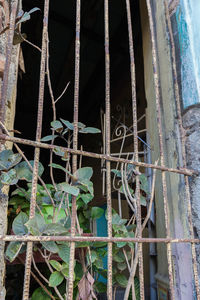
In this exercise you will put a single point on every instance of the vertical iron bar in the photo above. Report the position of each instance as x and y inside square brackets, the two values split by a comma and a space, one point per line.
[135, 140]
[8, 61]
[178, 106]
[75, 144]
[159, 119]
[37, 150]
[108, 176]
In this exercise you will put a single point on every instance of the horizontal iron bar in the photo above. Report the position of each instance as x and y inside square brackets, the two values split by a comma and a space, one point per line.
[183, 171]
[30, 238]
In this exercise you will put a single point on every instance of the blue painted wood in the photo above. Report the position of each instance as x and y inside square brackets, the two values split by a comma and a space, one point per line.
[102, 231]
[188, 23]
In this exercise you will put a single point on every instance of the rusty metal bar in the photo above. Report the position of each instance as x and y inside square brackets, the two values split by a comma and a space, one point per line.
[37, 150]
[183, 171]
[107, 130]
[30, 238]
[178, 105]
[159, 119]
[75, 145]
[8, 61]
[136, 156]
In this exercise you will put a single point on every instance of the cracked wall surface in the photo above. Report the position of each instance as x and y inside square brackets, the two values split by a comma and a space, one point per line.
[191, 123]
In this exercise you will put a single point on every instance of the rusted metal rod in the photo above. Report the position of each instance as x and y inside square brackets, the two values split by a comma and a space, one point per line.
[27, 274]
[75, 146]
[108, 138]
[30, 238]
[136, 156]
[182, 171]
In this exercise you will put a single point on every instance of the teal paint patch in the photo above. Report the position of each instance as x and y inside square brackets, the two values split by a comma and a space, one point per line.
[189, 65]
[102, 231]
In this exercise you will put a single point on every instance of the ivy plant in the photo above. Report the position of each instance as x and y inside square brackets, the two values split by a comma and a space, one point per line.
[53, 217]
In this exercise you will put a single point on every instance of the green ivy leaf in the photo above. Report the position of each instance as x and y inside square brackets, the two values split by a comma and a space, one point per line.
[40, 294]
[33, 10]
[18, 225]
[9, 178]
[90, 130]
[120, 244]
[99, 244]
[69, 125]
[119, 257]
[122, 266]
[57, 126]
[8, 159]
[100, 287]
[144, 183]
[13, 250]
[24, 172]
[81, 125]
[58, 151]
[54, 229]
[67, 188]
[48, 138]
[83, 174]
[20, 192]
[86, 198]
[137, 288]
[64, 252]
[26, 16]
[65, 272]
[97, 212]
[51, 246]
[56, 166]
[78, 271]
[55, 279]
[87, 186]
[92, 256]
[131, 244]
[143, 200]
[121, 280]
[56, 265]
[36, 225]
[98, 263]
[116, 220]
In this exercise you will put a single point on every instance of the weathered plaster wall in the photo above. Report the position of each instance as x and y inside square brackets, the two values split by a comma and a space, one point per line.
[188, 29]
[191, 121]
[188, 25]
[10, 114]
[175, 183]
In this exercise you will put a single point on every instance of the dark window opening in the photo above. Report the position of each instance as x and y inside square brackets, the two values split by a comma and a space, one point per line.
[92, 83]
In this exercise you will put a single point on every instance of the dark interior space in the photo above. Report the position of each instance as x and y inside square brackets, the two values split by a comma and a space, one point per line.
[92, 78]
[92, 66]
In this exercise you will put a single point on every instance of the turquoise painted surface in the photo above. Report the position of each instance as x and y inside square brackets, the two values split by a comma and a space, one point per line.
[102, 231]
[188, 22]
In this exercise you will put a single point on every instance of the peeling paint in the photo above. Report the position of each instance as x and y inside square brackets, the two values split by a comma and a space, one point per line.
[188, 24]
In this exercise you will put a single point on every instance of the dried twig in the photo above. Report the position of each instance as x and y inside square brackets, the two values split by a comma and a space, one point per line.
[151, 199]
[133, 267]
[62, 92]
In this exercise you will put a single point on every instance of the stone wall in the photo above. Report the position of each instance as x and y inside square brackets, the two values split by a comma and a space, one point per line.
[191, 123]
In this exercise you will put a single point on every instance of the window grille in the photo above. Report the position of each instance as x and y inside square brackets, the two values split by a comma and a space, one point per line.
[107, 157]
